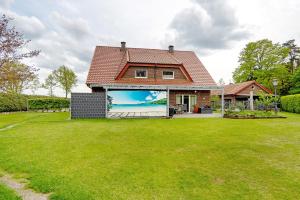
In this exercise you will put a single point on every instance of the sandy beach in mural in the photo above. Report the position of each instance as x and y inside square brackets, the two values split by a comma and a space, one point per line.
[137, 103]
[138, 108]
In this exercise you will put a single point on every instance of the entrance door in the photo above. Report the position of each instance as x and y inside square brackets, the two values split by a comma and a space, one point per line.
[186, 103]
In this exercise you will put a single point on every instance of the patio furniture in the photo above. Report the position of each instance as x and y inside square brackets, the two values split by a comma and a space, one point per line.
[184, 108]
[171, 112]
[206, 110]
[179, 109]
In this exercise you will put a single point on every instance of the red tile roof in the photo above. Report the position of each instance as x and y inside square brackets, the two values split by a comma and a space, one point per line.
[108, 62]
[233, 89]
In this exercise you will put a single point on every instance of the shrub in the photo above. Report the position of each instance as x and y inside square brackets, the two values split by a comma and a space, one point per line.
[12, 102]
[291, 103]
[48, 103]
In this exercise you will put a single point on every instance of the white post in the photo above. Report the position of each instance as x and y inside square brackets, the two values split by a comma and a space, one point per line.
[223, 102]
[168, 102]
[106, 103]
[251, 100]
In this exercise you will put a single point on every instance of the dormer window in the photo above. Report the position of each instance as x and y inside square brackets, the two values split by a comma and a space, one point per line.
[141, 73]
[168, 75]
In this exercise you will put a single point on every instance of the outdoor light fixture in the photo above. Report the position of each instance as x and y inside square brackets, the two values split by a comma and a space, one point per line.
[275, 83]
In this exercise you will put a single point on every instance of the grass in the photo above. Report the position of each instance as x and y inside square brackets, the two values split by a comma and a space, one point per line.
[7, 194]
[153, 158]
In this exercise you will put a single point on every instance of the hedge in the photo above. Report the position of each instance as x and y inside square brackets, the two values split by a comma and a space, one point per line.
[291, 103]
[12, 102]
[48, 103]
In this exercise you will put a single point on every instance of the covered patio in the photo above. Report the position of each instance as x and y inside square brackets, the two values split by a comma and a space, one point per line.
[180, 101]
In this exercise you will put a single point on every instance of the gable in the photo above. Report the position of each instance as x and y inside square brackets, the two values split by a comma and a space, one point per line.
[256, 90]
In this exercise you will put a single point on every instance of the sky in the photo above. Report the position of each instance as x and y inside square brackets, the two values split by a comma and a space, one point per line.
[67, 31]
[136, 97]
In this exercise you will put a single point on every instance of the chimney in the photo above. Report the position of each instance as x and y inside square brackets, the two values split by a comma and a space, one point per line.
[123, 46]
[171, 49]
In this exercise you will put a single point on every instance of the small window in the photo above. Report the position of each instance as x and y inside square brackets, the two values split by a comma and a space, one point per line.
[140, 73]
[168, 75]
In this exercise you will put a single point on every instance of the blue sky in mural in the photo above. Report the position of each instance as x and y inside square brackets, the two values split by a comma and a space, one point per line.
[136, 96]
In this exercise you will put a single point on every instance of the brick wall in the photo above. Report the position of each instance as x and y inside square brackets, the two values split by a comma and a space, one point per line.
[154, 72]
[88, 105]
[203, 97]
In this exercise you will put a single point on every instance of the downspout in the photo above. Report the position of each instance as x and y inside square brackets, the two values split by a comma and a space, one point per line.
[168, 101]
[105, 102]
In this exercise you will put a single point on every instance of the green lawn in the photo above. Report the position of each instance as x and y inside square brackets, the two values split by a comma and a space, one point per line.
[153, 158]
[7, 194]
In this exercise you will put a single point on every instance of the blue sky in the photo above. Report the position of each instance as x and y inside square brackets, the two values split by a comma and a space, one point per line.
[135, 96]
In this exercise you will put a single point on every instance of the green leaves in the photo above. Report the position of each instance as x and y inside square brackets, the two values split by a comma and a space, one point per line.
[262, 61]
[291, 103]
[48, 103]
[66, 78]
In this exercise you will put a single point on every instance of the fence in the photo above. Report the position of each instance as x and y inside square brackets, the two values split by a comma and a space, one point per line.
[88, 105]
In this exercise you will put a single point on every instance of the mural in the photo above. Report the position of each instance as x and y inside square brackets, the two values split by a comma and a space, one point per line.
[137, 103]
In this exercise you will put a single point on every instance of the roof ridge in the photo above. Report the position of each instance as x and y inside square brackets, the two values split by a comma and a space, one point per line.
[145, 48]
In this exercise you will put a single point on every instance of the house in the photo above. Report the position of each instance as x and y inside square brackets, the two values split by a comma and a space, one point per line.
[145, 82]
[240, 92]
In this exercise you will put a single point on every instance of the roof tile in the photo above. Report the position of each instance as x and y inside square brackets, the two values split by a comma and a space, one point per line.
[108, 61]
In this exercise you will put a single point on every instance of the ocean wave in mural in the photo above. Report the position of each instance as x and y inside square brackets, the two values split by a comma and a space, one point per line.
[137, 103]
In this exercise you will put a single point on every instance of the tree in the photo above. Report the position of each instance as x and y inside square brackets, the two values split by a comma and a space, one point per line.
[262, 61]
[66, 78]
[50, 83]
[295, 89]
[294, 55]
[221, 82]
[15, 77]
[12, 43]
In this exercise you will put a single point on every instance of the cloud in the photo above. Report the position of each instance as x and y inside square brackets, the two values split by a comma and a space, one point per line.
[149, 98]
[207, 26]
[5, 3]
[75, 27]
[31, 27]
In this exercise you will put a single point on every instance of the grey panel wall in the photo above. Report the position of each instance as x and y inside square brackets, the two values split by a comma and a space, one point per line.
[88, 105]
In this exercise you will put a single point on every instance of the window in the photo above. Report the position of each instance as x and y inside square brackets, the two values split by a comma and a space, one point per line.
[141, 73]
[168, 75]
[178, 99]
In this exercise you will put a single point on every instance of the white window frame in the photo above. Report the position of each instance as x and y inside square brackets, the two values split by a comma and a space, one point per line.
[141, 70]
[167, 77]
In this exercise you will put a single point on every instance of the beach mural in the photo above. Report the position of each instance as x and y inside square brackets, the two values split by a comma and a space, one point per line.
[142, 102]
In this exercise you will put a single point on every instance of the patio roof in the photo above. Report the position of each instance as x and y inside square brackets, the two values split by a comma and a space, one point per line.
[157, 87]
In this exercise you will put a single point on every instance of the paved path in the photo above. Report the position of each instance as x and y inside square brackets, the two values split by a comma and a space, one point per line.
[20, 189]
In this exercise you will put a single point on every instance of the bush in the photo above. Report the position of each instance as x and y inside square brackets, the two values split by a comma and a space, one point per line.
[48, 103]
[291, 103]
[12, 102]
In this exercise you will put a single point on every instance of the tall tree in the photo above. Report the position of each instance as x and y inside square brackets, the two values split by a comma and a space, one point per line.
[262, 61]
[294, 55]
[295, 82]
[66, 78]
[12, 43]
[16, 77]
[50, 84]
